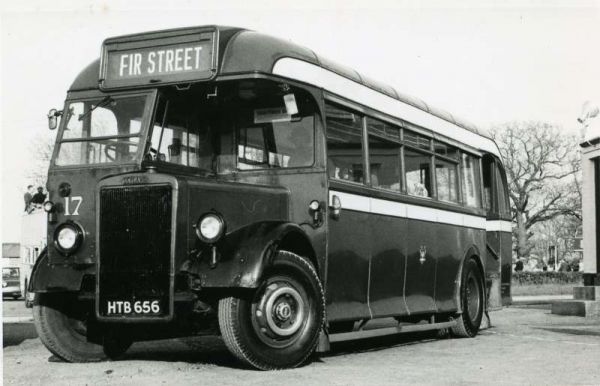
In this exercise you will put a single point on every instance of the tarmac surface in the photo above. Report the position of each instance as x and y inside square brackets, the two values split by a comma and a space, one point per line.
[525, 345]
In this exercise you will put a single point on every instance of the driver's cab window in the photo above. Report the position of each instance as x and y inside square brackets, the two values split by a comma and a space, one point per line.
[175, 137]
[275, 129]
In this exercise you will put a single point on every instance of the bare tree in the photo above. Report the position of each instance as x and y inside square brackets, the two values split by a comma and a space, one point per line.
[41, 148]
[542, 166]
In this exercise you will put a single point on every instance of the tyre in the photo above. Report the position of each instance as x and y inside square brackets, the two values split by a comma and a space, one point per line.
[278, 326]
[472, 301]
[62, 325]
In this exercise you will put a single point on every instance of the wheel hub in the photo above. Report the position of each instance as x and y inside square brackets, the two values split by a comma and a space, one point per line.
[281, 311]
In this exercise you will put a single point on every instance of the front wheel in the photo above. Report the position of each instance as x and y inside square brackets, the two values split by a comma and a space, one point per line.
[472, 301]
[278, 326]
[62, 325]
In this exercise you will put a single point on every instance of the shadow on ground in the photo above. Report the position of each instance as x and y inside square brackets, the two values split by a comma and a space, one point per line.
[212, 350]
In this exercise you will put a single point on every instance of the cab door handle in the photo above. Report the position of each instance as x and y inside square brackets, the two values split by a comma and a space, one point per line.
[335, 206]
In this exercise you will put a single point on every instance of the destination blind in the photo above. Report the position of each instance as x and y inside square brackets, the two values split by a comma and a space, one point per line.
[160, 63]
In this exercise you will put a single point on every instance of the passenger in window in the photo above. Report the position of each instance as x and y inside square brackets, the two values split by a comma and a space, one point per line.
[375, 180]
[346, 173]
[419, 190]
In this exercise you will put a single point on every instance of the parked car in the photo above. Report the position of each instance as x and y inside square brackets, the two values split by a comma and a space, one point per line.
[11, 282]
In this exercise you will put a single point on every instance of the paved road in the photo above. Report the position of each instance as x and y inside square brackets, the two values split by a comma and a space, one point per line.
[524, 346]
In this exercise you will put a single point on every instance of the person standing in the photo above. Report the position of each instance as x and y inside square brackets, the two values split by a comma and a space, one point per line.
[39, 197]
[28, 196]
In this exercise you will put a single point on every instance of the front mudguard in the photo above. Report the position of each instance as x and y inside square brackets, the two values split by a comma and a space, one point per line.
[53, 278]
[243, 254]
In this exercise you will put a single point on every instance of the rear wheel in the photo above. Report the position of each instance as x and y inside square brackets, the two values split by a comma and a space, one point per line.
[62, 325]
[278, 326]
[472, 301]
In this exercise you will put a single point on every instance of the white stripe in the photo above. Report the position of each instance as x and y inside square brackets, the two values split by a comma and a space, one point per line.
[389, 208]
[337, 84]
[353, 201]
[397, 209]
[498, 226]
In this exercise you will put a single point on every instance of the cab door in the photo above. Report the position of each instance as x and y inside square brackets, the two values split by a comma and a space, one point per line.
[348, 234]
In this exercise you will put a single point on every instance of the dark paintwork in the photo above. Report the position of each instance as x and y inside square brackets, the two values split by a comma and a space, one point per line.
[399, 283]
[388, 237]
[243, 51]
[348, 267]
[83, 184]
[269, 208]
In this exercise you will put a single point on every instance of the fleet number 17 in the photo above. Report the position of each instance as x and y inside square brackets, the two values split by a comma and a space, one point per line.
[73, 203]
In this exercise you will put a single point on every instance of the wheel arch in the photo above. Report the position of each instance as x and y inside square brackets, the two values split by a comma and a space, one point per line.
[250, 250]
[53, 278]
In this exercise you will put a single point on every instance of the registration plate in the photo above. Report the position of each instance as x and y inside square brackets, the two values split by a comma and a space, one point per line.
[135, 308]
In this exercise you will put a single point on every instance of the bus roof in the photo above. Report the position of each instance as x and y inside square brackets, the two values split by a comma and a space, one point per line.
[244, 51]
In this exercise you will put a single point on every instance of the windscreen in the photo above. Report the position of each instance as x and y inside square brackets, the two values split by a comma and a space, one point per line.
[248, 125]
[102, 130]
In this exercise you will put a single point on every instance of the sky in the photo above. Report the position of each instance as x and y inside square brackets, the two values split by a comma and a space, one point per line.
[488, 62]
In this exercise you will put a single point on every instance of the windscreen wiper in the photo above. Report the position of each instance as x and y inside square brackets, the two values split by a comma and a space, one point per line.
[105, 101]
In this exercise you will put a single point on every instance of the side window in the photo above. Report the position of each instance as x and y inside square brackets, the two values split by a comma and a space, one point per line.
[446, 171]
[446, 179]
[384, 155]
[503, 203]
[344, 144]
[418, 173]
[494, 183]
[471, 180]
[488, 168]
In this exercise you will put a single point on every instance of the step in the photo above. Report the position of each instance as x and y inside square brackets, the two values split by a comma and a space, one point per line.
[588, 292]
[585, 308]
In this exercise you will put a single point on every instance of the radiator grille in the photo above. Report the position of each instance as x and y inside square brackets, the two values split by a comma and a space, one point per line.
[135, 247]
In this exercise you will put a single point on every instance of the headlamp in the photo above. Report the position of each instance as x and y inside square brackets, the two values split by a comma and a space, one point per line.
[68, 237]
[210, 227]
[48, 206]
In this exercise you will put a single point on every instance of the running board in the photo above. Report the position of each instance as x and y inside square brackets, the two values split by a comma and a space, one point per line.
[399, 329]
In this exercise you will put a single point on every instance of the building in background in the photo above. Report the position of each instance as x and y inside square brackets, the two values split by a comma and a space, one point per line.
[33, 241]
[586, 300]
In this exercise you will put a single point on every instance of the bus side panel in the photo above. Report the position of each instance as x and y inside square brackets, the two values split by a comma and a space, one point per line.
[421, 255]
[505, 267]
[452, 244]
[348, 266]
[448, 245]
[388, 265]
[493, 267]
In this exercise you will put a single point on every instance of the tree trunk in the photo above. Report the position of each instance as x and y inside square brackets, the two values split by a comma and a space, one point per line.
[523, 247]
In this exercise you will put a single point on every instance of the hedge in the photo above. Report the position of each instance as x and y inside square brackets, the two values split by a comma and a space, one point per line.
[548, 277]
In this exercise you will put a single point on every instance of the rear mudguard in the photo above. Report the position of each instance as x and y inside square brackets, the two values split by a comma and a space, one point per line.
[54, 278]
[472, 252]
[243, 254]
